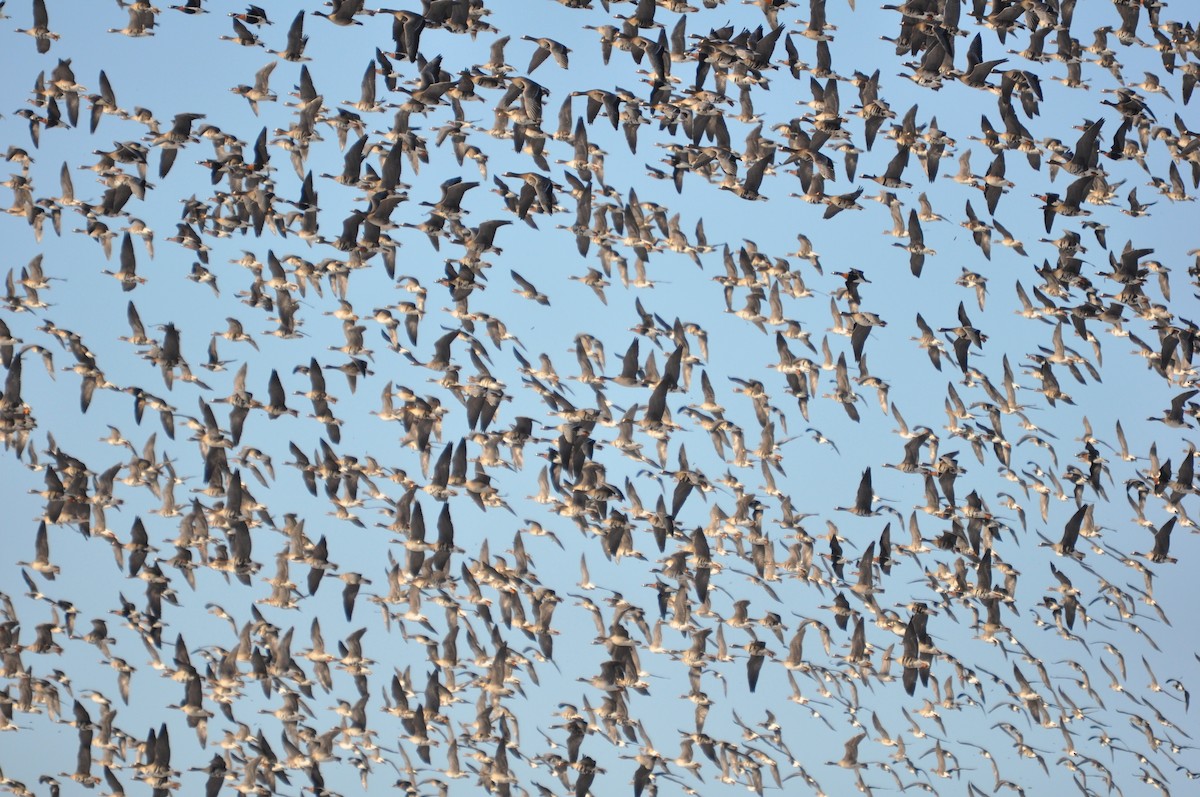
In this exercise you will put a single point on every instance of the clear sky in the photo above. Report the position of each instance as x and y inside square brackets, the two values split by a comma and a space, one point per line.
[1130, 643]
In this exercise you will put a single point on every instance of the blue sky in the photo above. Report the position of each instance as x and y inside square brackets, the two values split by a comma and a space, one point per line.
[186, 68]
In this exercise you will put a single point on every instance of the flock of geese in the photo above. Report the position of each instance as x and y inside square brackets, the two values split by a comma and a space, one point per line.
[989, 626]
